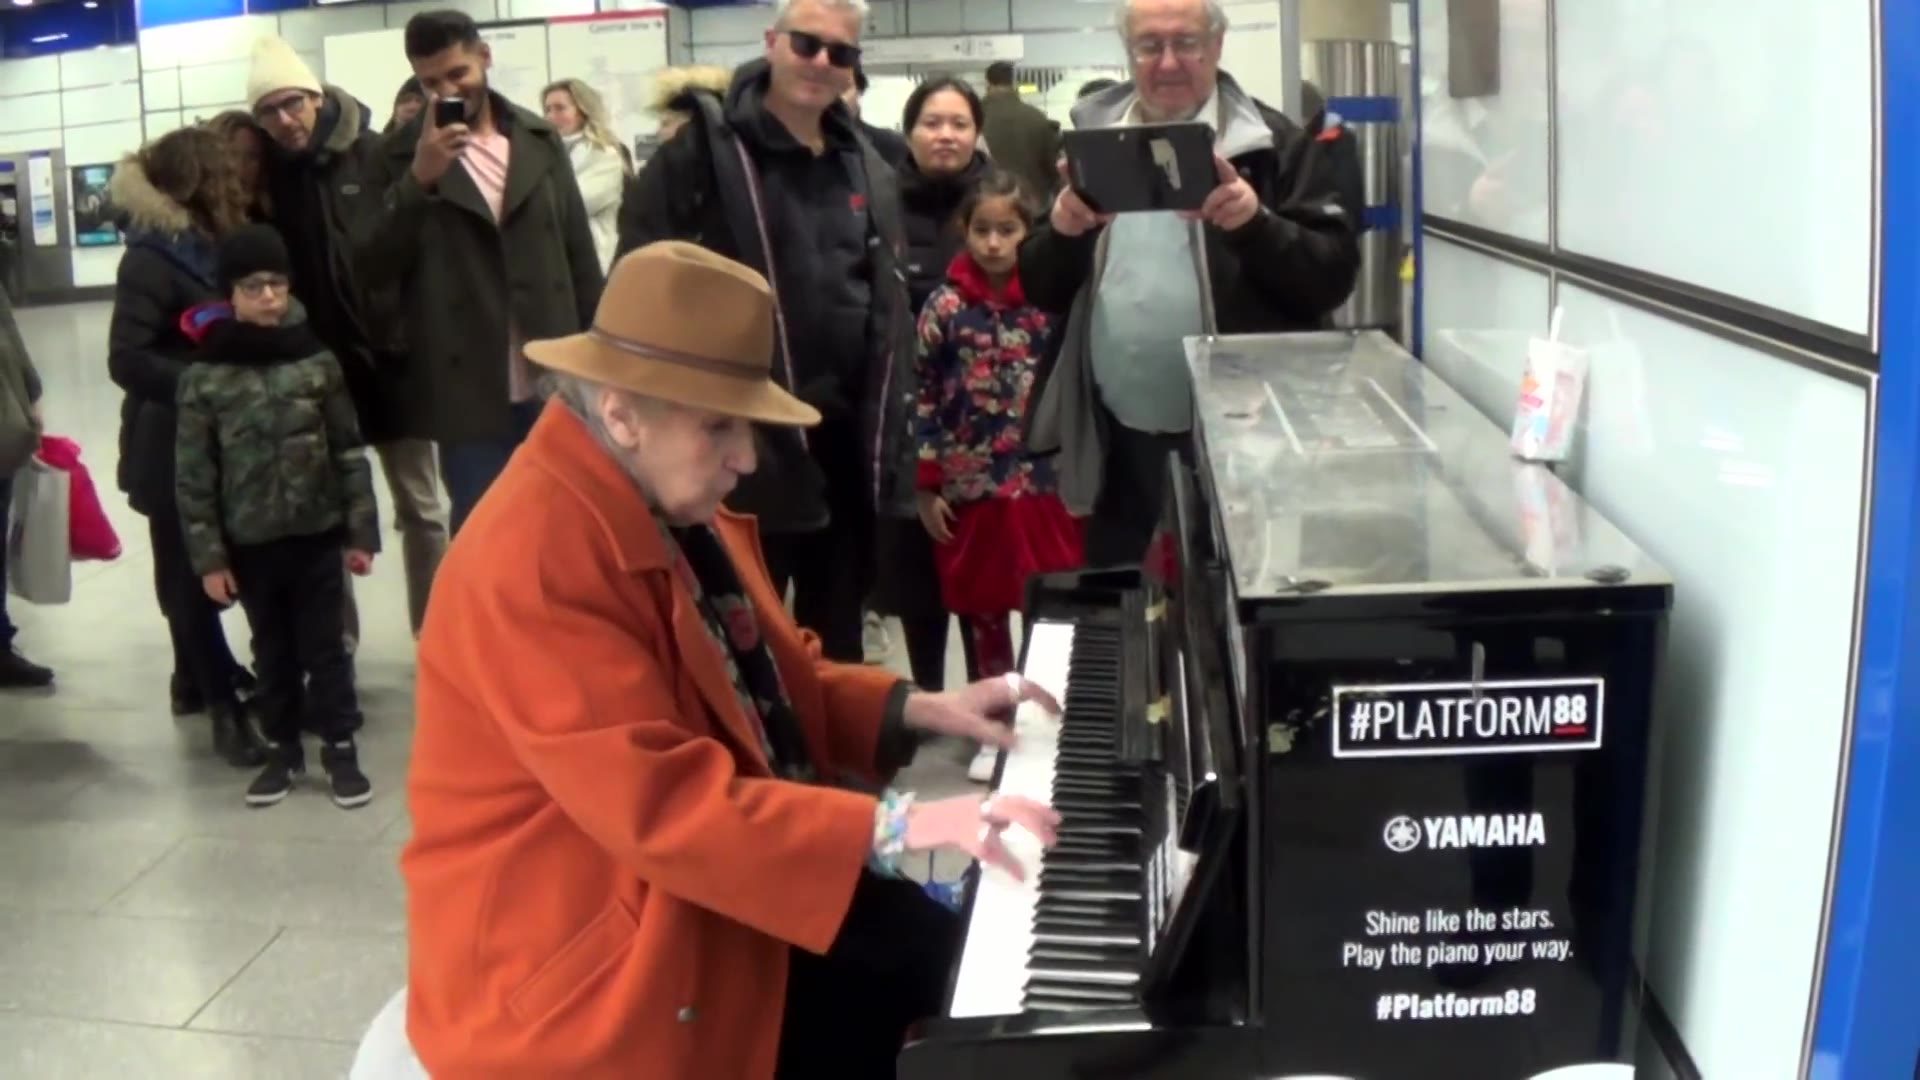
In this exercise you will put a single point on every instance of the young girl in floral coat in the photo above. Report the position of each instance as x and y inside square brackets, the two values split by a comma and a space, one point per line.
[991, 511]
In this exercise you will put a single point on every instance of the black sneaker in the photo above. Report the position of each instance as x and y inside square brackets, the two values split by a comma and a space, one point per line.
[351, 787]
[19, 673]
[286, 764]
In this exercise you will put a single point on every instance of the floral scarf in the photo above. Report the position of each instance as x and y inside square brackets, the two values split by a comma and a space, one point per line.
[704, 567]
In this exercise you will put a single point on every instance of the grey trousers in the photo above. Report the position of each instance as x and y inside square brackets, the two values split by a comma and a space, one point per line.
[413, 483]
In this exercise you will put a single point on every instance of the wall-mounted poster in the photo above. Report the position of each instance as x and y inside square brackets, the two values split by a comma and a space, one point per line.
[95, 223]
[40, 198]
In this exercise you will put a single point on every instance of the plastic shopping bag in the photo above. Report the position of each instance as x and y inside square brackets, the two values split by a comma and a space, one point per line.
[93, 538]
[39, 551]
[1550, 392]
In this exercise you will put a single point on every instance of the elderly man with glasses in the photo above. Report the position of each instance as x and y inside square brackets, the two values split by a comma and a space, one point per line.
[778, 173]
[1273, 249]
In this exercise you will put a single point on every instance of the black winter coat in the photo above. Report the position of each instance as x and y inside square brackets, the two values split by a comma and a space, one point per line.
[318, 199]
[168, 268]
[933, 236]
[696, 189]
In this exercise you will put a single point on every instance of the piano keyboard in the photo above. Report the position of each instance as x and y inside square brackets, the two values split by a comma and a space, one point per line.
[1072, 936]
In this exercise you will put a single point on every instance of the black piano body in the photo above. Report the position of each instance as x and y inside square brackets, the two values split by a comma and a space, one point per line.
[1400, 690]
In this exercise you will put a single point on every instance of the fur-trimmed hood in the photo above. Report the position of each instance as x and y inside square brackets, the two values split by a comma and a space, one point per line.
[672, 85]
[147, 208]
[352, 120]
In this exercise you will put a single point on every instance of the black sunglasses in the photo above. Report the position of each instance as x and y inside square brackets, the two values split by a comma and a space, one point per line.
[807, 46]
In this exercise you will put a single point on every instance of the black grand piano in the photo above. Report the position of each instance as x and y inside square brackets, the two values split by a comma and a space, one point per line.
[1352, 770]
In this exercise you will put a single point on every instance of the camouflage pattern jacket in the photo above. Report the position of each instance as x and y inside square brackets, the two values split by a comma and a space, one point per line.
[267, 446]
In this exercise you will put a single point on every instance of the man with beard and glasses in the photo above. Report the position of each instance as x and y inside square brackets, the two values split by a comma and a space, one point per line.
[780, 175]
[315, 176]
[479, 228]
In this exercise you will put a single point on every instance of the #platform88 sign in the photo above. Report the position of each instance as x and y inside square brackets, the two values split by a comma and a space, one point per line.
[1446, 719]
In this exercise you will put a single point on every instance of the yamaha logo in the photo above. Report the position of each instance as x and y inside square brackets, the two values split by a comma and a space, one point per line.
[1402, 835]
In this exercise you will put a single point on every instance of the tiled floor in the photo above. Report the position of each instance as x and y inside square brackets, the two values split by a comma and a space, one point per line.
[151, 925]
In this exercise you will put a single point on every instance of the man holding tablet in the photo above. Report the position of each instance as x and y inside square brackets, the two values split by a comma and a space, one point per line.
[1272, 248]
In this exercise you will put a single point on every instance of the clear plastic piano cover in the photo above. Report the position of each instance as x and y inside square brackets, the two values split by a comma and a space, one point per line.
[1339, 463]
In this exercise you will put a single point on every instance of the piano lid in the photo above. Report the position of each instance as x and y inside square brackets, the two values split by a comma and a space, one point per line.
[1339, 463]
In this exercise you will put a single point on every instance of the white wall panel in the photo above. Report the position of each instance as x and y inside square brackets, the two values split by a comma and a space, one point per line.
[156, 124]
[1724, 143]
[99, 67]
[100, 104]
[1480, 313]
[481, 10]
[1484, 159]
[160, 89]
[203, 42]
[35, 112]
[19, 142]
[213, 84]
[1742, 474]
[370, 65]
[99, 144]
[545, 9]
[36, 75]
[306, 29]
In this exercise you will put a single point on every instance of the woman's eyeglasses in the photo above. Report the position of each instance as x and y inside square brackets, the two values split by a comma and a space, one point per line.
[807, 46]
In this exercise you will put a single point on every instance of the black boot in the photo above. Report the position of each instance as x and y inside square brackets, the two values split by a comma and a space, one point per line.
[233, 737]
[19, 673]
[186, 697]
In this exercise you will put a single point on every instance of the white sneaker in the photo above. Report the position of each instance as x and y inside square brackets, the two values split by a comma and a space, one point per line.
[980, 769]
[874, 641]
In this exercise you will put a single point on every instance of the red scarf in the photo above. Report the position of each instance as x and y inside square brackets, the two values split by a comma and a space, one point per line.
[972, 284]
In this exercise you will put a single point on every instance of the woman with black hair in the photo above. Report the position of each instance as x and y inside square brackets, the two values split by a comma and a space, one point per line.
[942, 122]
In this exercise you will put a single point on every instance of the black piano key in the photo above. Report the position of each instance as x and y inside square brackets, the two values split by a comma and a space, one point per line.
[1044, 954]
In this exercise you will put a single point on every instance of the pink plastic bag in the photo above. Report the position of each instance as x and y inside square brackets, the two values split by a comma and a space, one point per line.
[93, 538]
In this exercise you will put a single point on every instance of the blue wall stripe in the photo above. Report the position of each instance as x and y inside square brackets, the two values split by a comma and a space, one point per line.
[1366, 110]
[1871, 979]
[1379, 217]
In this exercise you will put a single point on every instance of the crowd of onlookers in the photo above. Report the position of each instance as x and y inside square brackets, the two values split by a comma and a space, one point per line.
[997, 366]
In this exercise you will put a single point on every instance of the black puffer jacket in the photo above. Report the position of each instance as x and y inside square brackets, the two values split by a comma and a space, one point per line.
[695, 188]
[168, 268]
[929, 203]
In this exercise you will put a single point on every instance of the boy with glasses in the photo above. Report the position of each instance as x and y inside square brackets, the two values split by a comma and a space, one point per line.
[274, 492]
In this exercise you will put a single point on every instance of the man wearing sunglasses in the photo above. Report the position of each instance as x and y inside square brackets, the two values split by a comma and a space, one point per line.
[778, 173]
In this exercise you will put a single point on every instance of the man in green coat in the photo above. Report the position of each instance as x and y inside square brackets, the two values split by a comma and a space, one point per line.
[481, 231]
[1023, 140]
[19, 431]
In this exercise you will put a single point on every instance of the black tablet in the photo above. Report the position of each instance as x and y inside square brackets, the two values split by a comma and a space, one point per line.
[1123, 170]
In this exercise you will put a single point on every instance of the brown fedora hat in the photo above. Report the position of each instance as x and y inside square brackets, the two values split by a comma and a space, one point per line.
[678, 323]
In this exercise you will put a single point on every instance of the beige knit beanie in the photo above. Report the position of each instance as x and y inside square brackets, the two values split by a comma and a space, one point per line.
[277, 67]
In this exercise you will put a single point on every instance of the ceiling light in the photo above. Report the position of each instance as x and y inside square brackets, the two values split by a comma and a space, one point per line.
[22, 3]
[91, 4]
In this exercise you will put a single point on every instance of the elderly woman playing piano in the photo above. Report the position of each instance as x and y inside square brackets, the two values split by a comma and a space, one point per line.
[651, 832]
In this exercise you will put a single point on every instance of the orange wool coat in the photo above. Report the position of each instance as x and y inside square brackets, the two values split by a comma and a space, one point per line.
[604, 879]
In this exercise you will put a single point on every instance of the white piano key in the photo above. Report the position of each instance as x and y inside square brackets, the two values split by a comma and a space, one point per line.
[994, 960]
